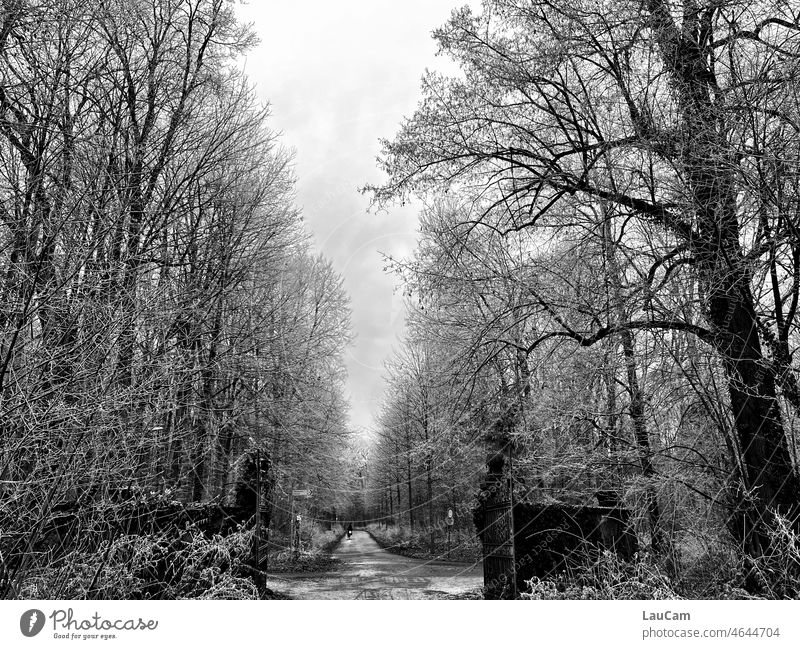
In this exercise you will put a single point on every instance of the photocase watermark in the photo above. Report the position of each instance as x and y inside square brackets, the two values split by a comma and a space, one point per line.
[66, 625]
[31, 622]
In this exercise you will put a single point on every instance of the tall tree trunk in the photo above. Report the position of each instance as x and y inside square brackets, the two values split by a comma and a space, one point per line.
[770, 479]
[410, 499]
[399, 501]
[642, 439]
[428, 467]
[407, 428]
[612, 418]
[636, 409]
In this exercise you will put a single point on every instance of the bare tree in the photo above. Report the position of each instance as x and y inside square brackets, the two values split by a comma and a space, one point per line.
[554, 91]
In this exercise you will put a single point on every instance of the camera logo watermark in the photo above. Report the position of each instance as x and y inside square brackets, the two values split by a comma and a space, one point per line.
[31, 622]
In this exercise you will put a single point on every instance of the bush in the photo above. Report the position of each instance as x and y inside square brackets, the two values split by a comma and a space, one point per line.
[608, 577]
[314, 554]
[401, 541]
[391, 537]
[776, 573]
[326, 540]
[191, 566]
[718, 572]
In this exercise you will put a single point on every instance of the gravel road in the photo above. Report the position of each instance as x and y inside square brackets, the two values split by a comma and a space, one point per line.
[369, 572]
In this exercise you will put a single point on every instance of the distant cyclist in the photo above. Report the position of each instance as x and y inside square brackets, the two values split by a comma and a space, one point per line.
[349, 530]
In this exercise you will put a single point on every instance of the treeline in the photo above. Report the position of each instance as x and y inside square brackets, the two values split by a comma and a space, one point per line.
[426, 454]
[609, 262]
[162, 312]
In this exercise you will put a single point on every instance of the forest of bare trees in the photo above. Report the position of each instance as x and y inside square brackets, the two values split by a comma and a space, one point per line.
[602, 304]
[163, 313]
[606, 282]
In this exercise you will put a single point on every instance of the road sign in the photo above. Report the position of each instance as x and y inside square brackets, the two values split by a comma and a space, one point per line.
[301, 493]
[449, 521]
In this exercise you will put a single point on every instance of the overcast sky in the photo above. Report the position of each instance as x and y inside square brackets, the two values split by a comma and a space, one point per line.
[339, 76]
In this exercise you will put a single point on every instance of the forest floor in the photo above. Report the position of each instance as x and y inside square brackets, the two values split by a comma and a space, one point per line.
[366, 571]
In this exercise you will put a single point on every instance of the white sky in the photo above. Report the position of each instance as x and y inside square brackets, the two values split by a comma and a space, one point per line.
[339, 76]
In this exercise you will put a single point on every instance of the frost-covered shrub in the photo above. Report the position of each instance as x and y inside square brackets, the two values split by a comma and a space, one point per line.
[191, 566]
[608, 577]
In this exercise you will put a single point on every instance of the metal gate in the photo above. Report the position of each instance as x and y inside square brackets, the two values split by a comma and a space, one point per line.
[498, 544]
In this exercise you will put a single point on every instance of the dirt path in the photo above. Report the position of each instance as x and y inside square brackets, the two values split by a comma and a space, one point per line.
[369, 572]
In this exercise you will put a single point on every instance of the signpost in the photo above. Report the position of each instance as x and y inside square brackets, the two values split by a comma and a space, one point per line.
[449, 520]
[296, 537]
[298, 521]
